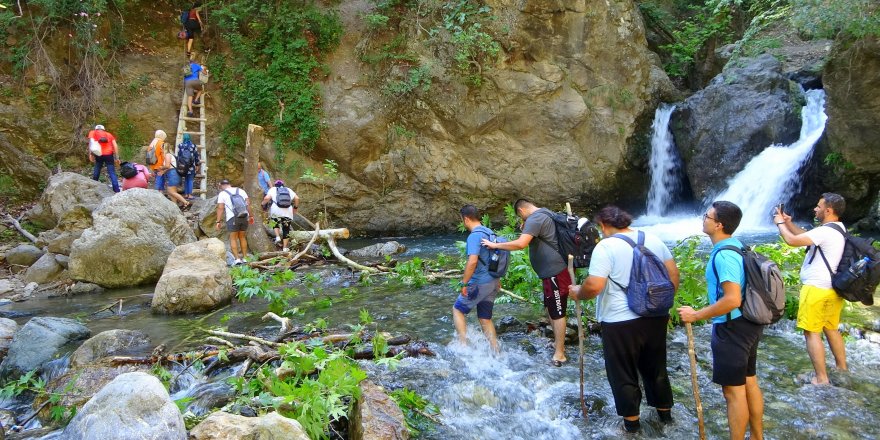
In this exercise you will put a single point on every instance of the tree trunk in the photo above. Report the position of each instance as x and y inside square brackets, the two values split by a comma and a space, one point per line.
[256, 233]
[301, 236]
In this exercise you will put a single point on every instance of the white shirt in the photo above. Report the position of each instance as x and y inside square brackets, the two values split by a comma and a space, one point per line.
[612, 259]
[226, 200]
[832, 242]
[275, 210]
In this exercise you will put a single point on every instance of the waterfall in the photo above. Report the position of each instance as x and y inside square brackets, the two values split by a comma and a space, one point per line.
[771, 177]
[665, 164]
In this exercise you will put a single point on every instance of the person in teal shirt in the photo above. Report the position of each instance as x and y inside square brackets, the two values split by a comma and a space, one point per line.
[263, 178]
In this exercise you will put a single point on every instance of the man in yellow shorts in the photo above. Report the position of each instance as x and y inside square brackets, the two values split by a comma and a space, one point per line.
[819, 305]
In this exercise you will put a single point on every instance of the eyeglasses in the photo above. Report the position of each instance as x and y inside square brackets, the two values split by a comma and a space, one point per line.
[706, 216]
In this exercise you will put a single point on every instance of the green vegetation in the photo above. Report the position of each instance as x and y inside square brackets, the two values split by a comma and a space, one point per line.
[419, 412]
[251, 283]
[328, 175]
[127, 138]
[31, 383]
[851, 19]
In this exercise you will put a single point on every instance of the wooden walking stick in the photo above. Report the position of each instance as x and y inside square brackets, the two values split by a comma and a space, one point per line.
[693, 355]
[577, 311]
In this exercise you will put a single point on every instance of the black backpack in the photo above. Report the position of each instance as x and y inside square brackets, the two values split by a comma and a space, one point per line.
[650, 291]
[764, 298]
[573, 240]
[185, 158]
[283, 198]
[495, 260]
[858, 273]
[128, 170]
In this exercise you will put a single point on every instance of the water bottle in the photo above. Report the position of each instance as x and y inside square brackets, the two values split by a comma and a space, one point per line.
[858, 269]
[493, 261]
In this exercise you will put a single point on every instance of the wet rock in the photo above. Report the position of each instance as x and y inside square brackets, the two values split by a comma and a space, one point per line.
[7, 418]
[66, 192]
[224, 426]
[509, 324]
[134, 232]
[110, 343]
[81, 287]
[196, 279]
[378, 250]
[7, 285]
[78, 385]
[873, 337]
[376, 416]
[133, 405]
[765, 107]
[24, 255]
[8, 328]
[38, 342]
[44, 270]
[209, 395]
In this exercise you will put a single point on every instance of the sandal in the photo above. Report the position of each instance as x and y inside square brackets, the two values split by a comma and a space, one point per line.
[557, 363]
[186, 207]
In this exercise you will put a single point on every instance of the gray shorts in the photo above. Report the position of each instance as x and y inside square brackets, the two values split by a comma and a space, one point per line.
[480, 296]
[236, 224]
[191, 85]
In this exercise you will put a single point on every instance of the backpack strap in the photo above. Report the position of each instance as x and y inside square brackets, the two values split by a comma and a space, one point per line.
[629, 241]
[718, 289]
[480, 258]
[819, 248]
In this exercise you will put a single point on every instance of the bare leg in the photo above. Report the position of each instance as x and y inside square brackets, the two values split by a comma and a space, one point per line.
[277, 232]
[489, 331]
[838, 348]
[233, 245]
[755, 399]
[559, 339]
[189, 45]
[175, 196]
[244, 247]
[460, 325]
[285, 242]
[737, 410]
[189, 103]
[816, 350]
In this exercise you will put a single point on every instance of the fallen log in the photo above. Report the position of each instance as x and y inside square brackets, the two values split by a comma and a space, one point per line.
[15, 224]
[301, 236]
[411, 350]
[331, 242]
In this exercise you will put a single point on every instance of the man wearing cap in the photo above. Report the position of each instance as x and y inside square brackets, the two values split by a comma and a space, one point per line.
[104, 151]
[284, 203]
[236, 226]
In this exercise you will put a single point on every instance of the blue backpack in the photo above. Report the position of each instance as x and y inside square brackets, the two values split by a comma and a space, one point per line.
[495, 260]
[184, 16]
[650, 291]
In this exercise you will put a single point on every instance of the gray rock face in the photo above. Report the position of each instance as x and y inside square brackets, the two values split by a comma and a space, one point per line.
[37, 343]
[133, 233]
[196, 279]
[376, 416]
[378, 250]
[8, 328]
[80, 287]
[110, 343]
[24, 255]
[742, 111]
[224, 426]
[207, 215]
[132, 406]
[66, 192]
[44, 270]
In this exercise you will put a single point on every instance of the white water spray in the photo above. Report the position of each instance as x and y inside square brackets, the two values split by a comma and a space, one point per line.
[664, 164]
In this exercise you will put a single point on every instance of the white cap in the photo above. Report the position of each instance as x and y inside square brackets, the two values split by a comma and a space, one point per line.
[99, 127]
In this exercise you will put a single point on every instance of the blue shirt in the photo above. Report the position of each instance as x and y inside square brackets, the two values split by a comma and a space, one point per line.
[729, 265]
[263, 179]
[481, 273]
[195, 68]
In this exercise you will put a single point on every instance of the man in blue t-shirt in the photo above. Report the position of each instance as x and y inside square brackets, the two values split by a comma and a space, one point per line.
[734, 338]
[193, 86]
[478, 287]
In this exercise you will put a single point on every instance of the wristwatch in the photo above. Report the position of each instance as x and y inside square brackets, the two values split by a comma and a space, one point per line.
[461, 284]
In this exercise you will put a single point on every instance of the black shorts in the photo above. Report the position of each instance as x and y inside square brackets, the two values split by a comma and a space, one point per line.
[735, 351]
[283, 223]
[236, 224]
[556, 294]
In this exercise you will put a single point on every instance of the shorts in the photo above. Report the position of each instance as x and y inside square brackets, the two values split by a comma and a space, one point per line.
[482, 296]
[818, 309]
[190, 86]
[556, 294]
[735, 351]
[236, 224]
[172, 178]
[284, 223]
[192, 28]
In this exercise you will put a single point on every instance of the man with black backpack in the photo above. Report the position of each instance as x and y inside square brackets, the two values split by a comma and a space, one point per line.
[819, 306]
[478, 285]
[633, 318]
[283, 205]
[234, 211]
[734, 338]
[548, 264]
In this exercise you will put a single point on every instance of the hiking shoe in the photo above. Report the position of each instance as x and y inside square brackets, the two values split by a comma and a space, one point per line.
[189, 114]
[237, 262]
[277, 240]
[197, 102]
[665, 415]
[286, 250]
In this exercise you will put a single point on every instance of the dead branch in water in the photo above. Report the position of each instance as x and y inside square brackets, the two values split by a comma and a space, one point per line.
[15, 224]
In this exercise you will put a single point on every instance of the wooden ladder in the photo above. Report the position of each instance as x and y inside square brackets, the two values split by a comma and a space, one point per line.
[202, 172]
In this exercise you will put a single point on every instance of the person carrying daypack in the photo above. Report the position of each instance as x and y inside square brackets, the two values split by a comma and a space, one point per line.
[193, 86]
[858, 273]
[734, 338]
[575, 236]
[103, 150]
[478, 286]
[633, 344]
[192, 25]
[188, 163]
[140, 178]
[155, 158]
[234, 211]
[284, 203]
[819, 306]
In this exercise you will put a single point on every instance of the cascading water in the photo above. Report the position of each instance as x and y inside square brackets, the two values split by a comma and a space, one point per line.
[664, 164]
[772, 177]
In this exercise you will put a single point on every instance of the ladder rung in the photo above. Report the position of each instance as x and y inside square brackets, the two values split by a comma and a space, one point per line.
[187, 118]
[200, 133]
[199, 191]
[200, 176]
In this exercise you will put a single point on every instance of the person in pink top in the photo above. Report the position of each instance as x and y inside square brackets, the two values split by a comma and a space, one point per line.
[140, 180]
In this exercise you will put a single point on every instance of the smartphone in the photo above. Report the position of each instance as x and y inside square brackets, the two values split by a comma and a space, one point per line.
[781, 207]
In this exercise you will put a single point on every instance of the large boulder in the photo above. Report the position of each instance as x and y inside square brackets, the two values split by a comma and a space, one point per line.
[742, 111]
[196, 279]
[207, 219]
[8, 328]
[46, 269]
[132, 406]
[26, 171]
[133, 233]
[38, 342]
[224, 426]
[378, 250]
[78, 385]
[376, 416]
[24, 255]
[66, 192]
[110, 343]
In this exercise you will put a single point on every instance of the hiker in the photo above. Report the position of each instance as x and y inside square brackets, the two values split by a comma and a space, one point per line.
[193, 26]
[819, 306]
[103, 150]
[263, 178]
[477, 287]
[236, 217]
[734, 338]
[193, 86]
[284, 203]
[188, 157]
[632, 345]
[140, 179]
[156, 155]
[173, 181]
[547, 263]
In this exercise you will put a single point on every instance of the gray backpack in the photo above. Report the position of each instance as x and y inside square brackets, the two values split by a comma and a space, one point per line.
[239, 206]
[764, 297]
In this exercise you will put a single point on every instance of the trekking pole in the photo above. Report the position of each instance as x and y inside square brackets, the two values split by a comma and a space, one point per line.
[693, 355]
[577, 311]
